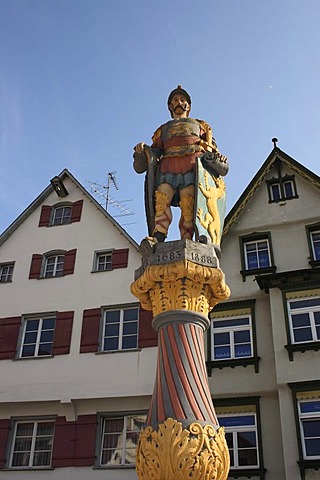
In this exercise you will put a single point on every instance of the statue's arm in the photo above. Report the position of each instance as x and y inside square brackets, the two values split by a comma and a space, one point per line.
[142, 152]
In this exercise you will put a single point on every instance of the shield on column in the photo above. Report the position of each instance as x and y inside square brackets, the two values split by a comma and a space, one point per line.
[210, 205]
[149, 188]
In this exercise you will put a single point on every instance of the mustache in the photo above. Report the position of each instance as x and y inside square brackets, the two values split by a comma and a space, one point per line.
[184, 107]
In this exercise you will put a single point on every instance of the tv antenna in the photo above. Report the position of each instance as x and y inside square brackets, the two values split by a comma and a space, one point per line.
[101, 191]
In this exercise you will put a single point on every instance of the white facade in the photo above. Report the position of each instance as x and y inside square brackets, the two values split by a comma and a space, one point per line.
[263, 367]
[72, 384]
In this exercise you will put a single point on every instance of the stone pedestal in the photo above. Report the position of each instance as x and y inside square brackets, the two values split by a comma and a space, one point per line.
[181, 282]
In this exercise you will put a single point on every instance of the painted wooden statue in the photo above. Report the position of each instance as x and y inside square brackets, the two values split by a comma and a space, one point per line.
[184, 168]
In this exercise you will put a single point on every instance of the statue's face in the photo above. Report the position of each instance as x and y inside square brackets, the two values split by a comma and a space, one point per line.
[179, 106]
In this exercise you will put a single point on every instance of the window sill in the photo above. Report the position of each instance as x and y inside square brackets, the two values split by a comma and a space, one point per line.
[129, 350]
[257, 271]
[5, 281]
[248, 472]
[41, 357]
[113, 467]
[301, 347]
[235, 362]
[308, 465]
[314, 263]
[102, 271]
[25, 469]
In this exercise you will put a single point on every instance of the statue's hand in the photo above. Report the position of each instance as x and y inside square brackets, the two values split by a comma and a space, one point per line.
[139, 148]
[140, 163]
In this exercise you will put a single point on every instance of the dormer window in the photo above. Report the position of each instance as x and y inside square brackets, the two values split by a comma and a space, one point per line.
[282, 189]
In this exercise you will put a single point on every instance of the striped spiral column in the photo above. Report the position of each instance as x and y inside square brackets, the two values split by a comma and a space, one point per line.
[181, 389]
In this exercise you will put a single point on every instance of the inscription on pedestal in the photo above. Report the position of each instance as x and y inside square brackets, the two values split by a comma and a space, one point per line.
[170, 252]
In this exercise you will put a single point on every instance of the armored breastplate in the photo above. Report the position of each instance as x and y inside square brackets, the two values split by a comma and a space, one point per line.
[183, 127]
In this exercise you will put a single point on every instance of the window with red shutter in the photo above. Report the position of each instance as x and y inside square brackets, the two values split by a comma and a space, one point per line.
[69, 262]
[90, 330]
[4, 432]
[35, 267]
[64, 443]
[148, 337]
[74, 442]
[76, 211]
[120, 258]
[45, 216]
[86, 427]
[9, 333]
[62, 333]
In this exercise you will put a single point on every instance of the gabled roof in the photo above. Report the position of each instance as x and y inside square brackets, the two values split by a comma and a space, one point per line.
[46, 192]
[275, 155]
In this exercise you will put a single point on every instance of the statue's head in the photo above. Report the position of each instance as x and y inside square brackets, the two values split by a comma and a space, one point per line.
[179, 100]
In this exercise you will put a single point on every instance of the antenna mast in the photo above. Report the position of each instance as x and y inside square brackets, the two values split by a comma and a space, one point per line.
[110, 178]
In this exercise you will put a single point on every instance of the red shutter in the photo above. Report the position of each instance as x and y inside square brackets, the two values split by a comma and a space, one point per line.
[45, 216]
[62, 333]
[148, 337]
[76, 211]
[64, 443]
[85, 440]
[4, 431]
[9, 333]
[120, 258]
[35, 267]
[69, 261]
[90, 330]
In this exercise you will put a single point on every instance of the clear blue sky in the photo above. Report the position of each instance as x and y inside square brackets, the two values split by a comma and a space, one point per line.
[83, 81]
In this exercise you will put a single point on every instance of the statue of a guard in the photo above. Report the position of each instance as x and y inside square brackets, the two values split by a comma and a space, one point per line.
[184, 168]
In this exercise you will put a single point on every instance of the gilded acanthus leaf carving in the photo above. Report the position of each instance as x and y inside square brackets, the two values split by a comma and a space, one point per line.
[181, 285]
[175, 453]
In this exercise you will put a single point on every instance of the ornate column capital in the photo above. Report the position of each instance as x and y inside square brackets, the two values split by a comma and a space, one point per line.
[192, 280]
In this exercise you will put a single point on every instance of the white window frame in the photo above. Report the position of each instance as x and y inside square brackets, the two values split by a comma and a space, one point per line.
[124, 438]
[305, 417]
[256, 250]
[313, 242]
[108, 264]
[40, 330]
[32, 450]
[234, 430]
[293, 190]
[310, 310]
[6, 276]
[58, 263]
[231, 330]
[121, 334]
[65, 219]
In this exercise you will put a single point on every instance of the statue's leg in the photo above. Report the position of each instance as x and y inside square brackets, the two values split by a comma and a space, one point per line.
[186, 223]
[163, 215]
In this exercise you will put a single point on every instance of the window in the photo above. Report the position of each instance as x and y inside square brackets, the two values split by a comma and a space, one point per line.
[6, 271]
[103, 261]
[309, 415]
[32, 444]
[306, 403]
[120, 329]
[241, 437]
[53, 266]
[315, 241]
[304, 316]
[313, 235]
[61, 215]
[256, 254]
[119, 438]
[232, 340]
[240, 418]
[282, 189]
[56, 263]
[37, 338]
[106, 260]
